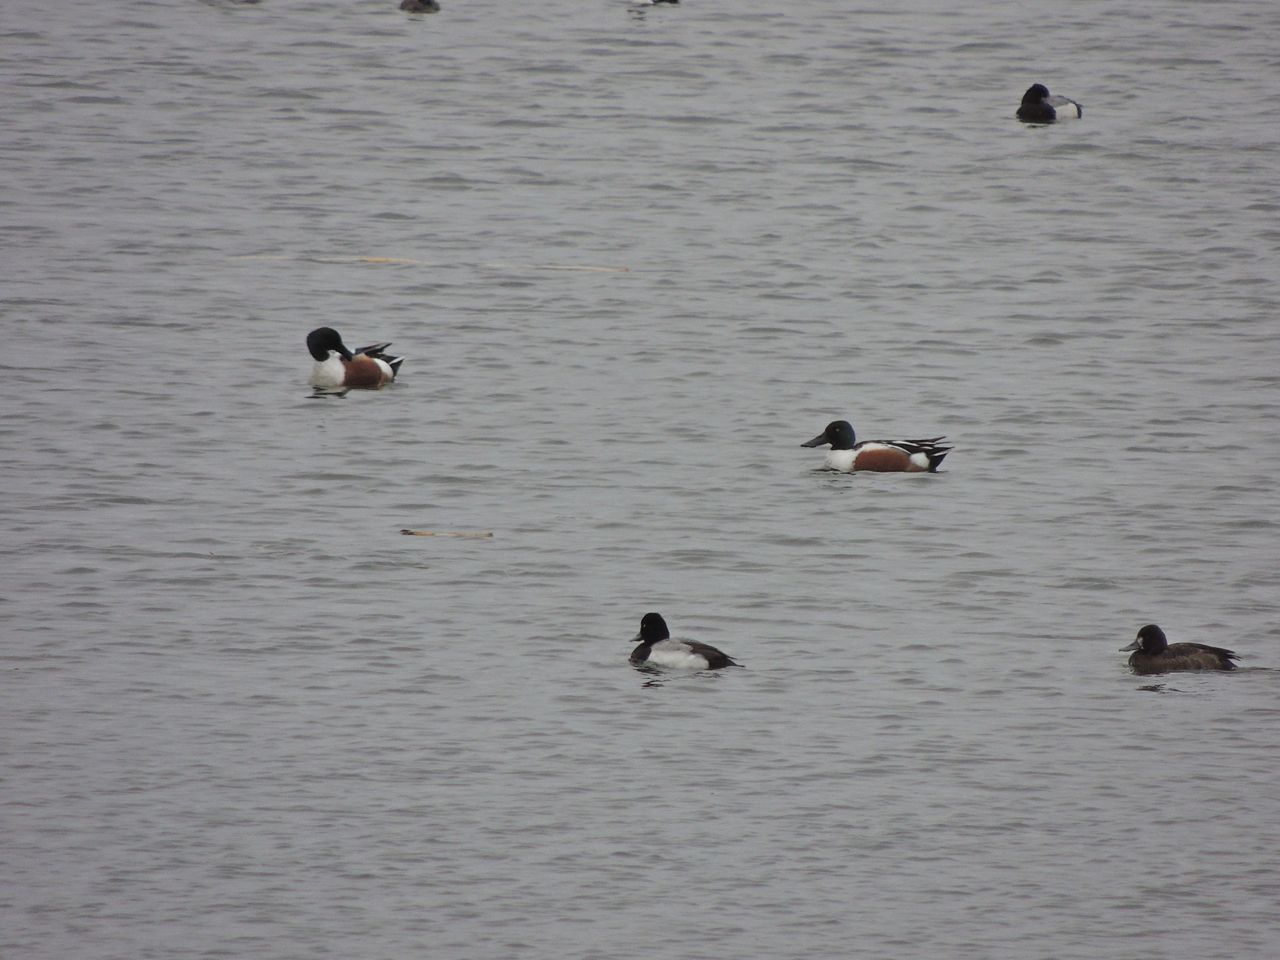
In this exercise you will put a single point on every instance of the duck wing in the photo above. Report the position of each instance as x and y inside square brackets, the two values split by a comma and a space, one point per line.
[715, 658]
[1201, 655]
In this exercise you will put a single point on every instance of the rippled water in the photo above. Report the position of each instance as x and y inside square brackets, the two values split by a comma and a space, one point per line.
[635, 257]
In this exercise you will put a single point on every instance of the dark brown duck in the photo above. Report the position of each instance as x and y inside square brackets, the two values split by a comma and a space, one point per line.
[1153, 653]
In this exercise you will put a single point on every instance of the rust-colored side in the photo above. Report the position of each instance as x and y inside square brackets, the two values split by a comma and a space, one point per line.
[885, 461]
[364, 373]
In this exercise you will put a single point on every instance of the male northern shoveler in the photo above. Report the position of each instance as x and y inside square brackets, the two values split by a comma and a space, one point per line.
[1038, 106]
[1153, 653]
[337, 368]
[882, 456]
[657, 648]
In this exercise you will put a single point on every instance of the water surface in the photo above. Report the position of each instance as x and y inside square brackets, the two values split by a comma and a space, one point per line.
[635, 258]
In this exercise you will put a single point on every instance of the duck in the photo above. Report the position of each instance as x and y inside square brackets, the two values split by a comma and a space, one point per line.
[1038, 106]
[420, 6]
[881, 456]
[1153, 653]
[337, 368]
[658, 649]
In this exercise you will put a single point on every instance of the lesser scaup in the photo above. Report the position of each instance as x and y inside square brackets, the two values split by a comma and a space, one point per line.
[1038, 106]
[882, 456]
[657, 648]
[1153, 653]
[337, 368]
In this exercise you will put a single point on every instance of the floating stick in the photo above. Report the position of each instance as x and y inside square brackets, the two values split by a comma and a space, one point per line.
[307, 259]
[472, 534]
[584, 267]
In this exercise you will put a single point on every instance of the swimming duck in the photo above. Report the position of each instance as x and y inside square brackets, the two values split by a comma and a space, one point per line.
[882, 456]
[657, 648]
[1039, 107]
[1153, 653]
[337, 368]
[420, 6]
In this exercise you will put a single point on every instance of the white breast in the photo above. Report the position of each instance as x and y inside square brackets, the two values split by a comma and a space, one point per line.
[840, 460]
[328, 373]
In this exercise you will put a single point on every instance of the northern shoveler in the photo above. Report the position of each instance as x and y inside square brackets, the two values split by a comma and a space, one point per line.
[337, 368]
[1153, 653]
[882, 456]
[657, 648]
[1038, 106]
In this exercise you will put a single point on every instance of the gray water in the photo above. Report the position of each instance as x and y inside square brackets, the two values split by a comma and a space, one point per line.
[635, 258]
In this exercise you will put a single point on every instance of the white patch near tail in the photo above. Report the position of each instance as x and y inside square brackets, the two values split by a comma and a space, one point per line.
[1065, 108]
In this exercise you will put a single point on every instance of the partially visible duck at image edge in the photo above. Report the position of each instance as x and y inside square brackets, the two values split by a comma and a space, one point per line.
[658, 649]
[1153, 653]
